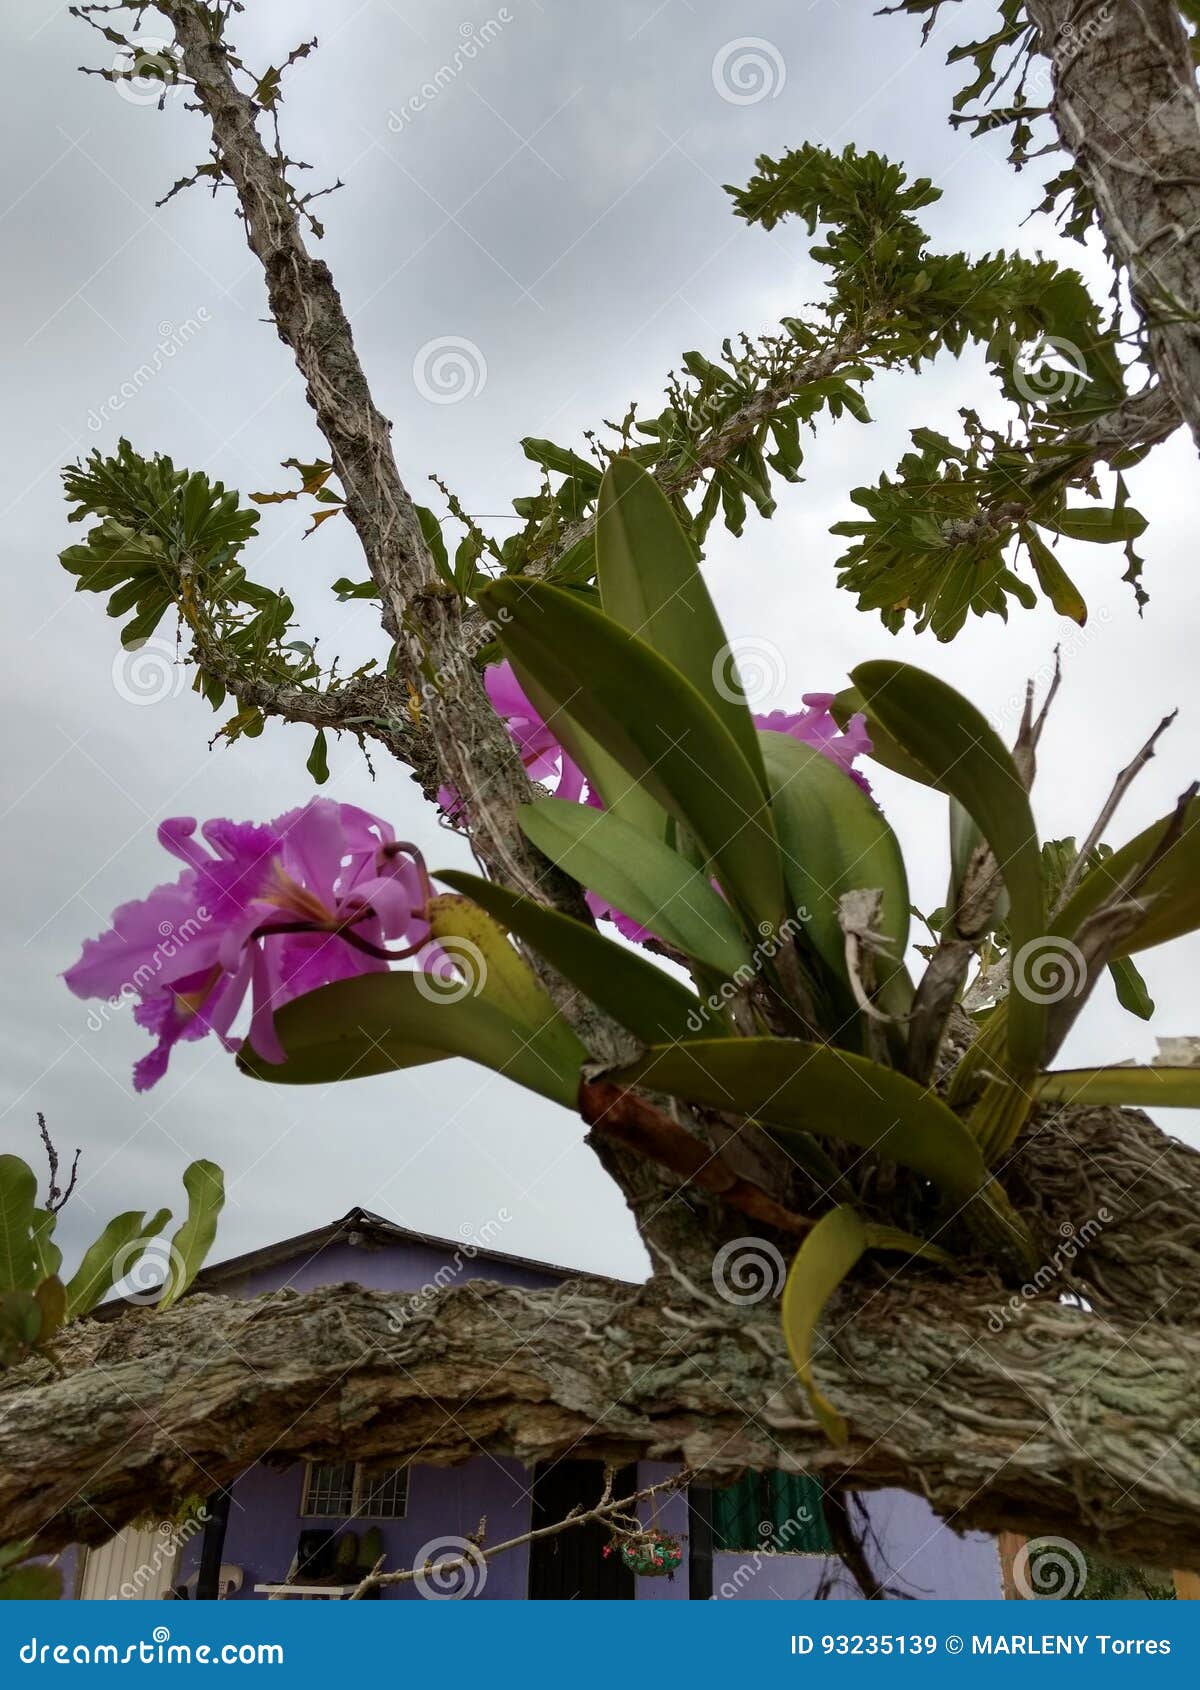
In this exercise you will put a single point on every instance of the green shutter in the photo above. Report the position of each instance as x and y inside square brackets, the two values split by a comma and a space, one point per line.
[771, 1514]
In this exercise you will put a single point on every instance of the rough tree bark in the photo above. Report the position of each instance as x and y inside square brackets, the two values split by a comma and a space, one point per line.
[1128, 111]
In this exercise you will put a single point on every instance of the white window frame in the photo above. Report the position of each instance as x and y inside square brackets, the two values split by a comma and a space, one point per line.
[366, 1477]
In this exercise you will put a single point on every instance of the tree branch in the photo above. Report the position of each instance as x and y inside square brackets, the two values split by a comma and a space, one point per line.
[1127, 108]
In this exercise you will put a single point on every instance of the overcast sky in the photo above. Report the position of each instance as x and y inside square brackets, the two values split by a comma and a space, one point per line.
[557, 207]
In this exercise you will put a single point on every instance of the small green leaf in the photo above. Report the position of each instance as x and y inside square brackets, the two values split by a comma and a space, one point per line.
[640, 876]
[51, 1299]
[18, 1199]
[318, 759]
[1171, 891]
[830, 1252]
[205, 1186]
[654, 1007]
[1053, 579]
[1090, 522]
[1132, 993]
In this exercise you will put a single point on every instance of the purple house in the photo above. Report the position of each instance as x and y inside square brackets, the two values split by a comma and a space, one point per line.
[311, 1529]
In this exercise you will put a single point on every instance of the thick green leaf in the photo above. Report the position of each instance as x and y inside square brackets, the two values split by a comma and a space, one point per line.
[46, 1251]
[649, 717]
[114, 1254]
[376, 1023]
[318, 759]
[884, 749]
[640, 876]
[51, 1299]
[1144, 1088]
[834, 840]
[654, 1006]
[966, 758]
[18, 1200]
[790, 1085]
[1171, 890]
[1053, 579]
[831, 1251]
[1091, 522]
[1132, 992]
[650, 583]
[205, 1186]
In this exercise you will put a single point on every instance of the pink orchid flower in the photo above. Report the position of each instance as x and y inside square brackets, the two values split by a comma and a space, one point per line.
[276, 910]
[551, 765]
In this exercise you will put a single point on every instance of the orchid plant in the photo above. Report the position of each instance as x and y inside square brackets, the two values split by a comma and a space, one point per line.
[770, 986]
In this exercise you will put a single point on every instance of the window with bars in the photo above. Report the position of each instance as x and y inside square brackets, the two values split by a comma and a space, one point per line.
[344, 1490]
[771, 1514]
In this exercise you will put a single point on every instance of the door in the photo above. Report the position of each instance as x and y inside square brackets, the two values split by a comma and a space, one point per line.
[572, 1563]
[134, 1566]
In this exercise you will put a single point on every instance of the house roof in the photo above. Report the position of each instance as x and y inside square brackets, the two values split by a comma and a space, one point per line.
[362, 1226]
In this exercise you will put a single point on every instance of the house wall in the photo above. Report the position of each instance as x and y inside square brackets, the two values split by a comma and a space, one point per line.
[924, 1558]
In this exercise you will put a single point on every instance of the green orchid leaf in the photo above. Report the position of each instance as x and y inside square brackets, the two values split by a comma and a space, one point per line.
[646, 569]
[51, 1299]
[46, 1251]
[830, 1252]
[654, 722]
[1160, 1087]
[835, 840]
[377, 1023]
[1096, 523]
[1171, 891]
[111, 1257]
[655, 1007]
[640, 876]
[19, 1269]
[205, 1186]
[1053, 579]
[790, 1086]
[966, 758]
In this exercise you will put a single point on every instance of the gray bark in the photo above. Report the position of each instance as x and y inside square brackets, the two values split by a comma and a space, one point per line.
[1127, 109]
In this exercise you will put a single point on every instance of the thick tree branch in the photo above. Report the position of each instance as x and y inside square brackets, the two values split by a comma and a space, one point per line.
[1127, 109]
[1050, 1419]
